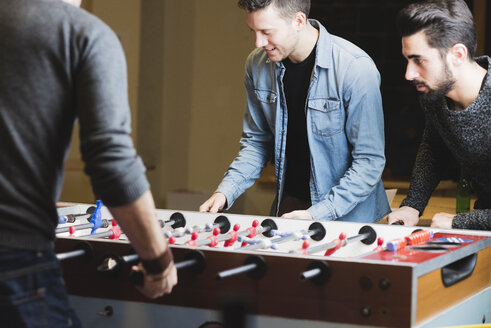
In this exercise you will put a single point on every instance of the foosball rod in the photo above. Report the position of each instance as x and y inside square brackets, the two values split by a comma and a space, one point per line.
[255, 267]
[318, 272]
[113, 233]
[70, 218]
[229, 238]
[90, 225]
[366, 234]
[176, 220]
[316, 231]
[221, 222]
[82, 249]
[194, 260]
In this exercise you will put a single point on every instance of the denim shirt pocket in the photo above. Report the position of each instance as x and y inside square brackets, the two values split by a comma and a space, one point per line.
[265, 96]
[325, 116]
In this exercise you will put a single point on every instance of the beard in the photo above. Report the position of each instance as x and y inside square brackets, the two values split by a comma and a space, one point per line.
[437, 94]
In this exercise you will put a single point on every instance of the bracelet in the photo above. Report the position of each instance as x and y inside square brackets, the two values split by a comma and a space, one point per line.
[158, 265]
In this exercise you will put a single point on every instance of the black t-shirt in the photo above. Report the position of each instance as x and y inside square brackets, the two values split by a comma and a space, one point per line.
[296, 83]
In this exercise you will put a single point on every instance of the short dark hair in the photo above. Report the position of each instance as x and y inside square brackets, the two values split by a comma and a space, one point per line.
[444, 22]
[286, 7]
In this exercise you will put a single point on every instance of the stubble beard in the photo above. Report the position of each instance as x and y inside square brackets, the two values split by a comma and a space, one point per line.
[436, 95]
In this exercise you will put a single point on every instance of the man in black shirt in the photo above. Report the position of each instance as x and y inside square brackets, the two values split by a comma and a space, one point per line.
[296, 85]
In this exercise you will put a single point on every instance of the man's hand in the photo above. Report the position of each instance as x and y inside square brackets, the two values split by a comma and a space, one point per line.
[304, 215]
[409, 215]
[442, 220]
[214, 204]
[138, 221]
[156, 285]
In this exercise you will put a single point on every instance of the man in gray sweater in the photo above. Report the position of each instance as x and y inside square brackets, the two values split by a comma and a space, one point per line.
[58, 64]
[439, 41]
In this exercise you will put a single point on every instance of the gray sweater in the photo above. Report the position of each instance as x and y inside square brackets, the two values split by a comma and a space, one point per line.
[465, 135]
[58, 64]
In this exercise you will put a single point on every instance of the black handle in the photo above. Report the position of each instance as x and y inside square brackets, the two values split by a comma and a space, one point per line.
[136, 278]
[398, 222]
[458, 270]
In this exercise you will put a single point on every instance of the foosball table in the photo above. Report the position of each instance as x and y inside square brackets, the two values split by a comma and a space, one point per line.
[252, 271]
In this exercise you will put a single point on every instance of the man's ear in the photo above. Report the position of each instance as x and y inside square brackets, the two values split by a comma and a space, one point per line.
[300, 20]
[458, 54]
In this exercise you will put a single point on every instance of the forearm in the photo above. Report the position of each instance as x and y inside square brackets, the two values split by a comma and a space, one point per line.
[475, 220]
[239, 177]
[426, 171]
[139, 223]
[256, 146]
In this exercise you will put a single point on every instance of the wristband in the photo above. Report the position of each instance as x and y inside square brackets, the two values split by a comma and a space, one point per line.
[158, 265]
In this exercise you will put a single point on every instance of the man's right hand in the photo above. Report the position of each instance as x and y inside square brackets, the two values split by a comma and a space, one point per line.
[156, 285]
[409, 215]
[214, 204]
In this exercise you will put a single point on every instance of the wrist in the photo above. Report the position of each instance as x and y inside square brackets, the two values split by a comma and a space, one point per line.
[158, 265]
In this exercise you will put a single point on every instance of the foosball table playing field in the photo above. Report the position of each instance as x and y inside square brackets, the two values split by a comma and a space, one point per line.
[253, 271]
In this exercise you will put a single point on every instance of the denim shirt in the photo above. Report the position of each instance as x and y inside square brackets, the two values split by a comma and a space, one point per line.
[345, 130]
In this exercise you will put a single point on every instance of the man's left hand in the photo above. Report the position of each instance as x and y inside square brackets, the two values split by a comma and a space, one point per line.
[304, 215]
[442, 220]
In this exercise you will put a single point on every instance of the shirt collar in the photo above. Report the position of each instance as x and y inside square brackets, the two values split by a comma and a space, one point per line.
[324, 46]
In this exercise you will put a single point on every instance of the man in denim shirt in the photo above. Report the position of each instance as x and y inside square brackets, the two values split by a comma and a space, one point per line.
[325, 92]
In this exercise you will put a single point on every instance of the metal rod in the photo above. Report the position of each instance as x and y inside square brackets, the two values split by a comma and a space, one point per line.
[169, 222]
[185, 264]
[77, 227]
[357, 237]
[259, 245]
[100, 234]
[69, 255]
[236, 271]
[130, 258]
[309, 274]
[290, 236]
[322, 247]
[333, 244]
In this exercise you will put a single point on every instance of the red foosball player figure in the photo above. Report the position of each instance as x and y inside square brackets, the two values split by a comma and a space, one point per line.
[380, 242]
[115, 230]
[234, 235]
[252, 232]
[339, 243]
[192, 242]
[305, 245]
[214, 238]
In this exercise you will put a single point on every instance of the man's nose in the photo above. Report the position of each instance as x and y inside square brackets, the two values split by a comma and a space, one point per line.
[261, 41]
[411, 73]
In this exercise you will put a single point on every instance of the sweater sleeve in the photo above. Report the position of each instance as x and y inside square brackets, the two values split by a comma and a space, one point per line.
[116, 171]
[430, 161]
[474, 220]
